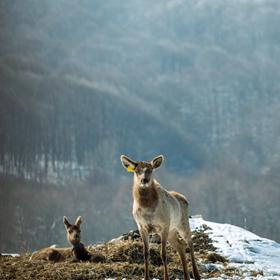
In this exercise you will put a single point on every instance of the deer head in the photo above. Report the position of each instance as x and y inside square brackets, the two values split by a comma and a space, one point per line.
[143, 171]
[73, 231]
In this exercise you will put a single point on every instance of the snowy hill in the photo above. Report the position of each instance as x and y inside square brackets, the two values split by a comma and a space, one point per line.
[244, 250]
[242, 255]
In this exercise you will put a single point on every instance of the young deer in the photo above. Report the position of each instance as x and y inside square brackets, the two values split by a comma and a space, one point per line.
[158, 210]
[74, 238]
[61, 254]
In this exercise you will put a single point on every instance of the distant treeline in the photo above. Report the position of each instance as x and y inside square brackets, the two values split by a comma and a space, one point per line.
[83, 82]
[65, 125]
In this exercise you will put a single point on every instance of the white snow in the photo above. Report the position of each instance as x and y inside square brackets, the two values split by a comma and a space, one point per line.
[10, 254]
[244, 250]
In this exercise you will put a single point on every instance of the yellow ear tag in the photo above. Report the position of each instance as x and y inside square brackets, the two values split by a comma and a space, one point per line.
[130, 169]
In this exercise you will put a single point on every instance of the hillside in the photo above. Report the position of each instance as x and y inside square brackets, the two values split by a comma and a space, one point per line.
[82, 82]
[223, 252]
[84, 77]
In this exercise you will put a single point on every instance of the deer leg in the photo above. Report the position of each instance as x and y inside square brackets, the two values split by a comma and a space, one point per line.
[145, 238]
[164, 236]
[195, 270]
[186, 235]
[180, 247]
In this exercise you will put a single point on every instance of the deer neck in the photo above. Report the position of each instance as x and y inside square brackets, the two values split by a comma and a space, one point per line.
[146, 197]
[80, 252]
[78, 246]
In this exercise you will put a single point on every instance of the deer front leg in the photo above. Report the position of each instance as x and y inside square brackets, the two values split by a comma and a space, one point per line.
[145, 237]
[164, 236]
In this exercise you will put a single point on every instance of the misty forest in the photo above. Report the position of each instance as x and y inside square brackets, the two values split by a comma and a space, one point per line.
[82, 82]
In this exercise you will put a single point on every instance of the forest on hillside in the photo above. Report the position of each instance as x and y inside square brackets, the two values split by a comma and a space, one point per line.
[82, 82]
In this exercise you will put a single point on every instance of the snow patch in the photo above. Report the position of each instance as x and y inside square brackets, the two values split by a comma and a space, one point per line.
[10, 254]
[244, 250]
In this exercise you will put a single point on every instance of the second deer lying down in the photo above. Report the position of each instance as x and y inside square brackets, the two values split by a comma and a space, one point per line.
[78, 251]
[158, 210]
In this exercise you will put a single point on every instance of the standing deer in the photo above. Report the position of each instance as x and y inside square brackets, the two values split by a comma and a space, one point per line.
[164, 212]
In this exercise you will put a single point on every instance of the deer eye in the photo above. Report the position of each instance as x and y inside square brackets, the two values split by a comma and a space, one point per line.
[70, 231]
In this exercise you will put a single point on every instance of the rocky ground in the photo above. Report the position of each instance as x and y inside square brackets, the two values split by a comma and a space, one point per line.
[119, 258]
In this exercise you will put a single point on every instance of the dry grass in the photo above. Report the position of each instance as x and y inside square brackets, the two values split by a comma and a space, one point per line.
[123, 259]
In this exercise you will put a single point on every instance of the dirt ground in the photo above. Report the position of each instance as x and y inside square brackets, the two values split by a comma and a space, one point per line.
[119, 259]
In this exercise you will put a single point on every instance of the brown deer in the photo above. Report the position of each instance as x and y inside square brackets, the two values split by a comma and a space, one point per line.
[164, 212]
[74, 238]
[78, 250]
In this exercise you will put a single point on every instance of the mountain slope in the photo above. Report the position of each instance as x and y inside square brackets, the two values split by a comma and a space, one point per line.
[82, 82]
[222, 251]
[178, 61]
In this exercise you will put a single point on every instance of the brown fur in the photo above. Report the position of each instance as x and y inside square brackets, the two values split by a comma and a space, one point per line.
[78, 251]
[52, 254]
[166, 213]
[147, 198]
[179, 197]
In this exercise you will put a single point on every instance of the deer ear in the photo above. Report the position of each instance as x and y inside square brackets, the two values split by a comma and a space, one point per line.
[66, 222]
[78, 221]
[157, 161]
[128, 163]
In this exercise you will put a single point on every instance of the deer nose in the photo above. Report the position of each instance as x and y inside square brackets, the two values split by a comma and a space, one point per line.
[144, 181]
[76, 236]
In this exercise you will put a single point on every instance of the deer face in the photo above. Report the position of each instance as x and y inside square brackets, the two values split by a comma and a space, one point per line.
[143, 171]
[73, 231]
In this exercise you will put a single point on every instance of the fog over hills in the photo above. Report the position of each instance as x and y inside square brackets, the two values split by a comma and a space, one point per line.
[82, 82]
